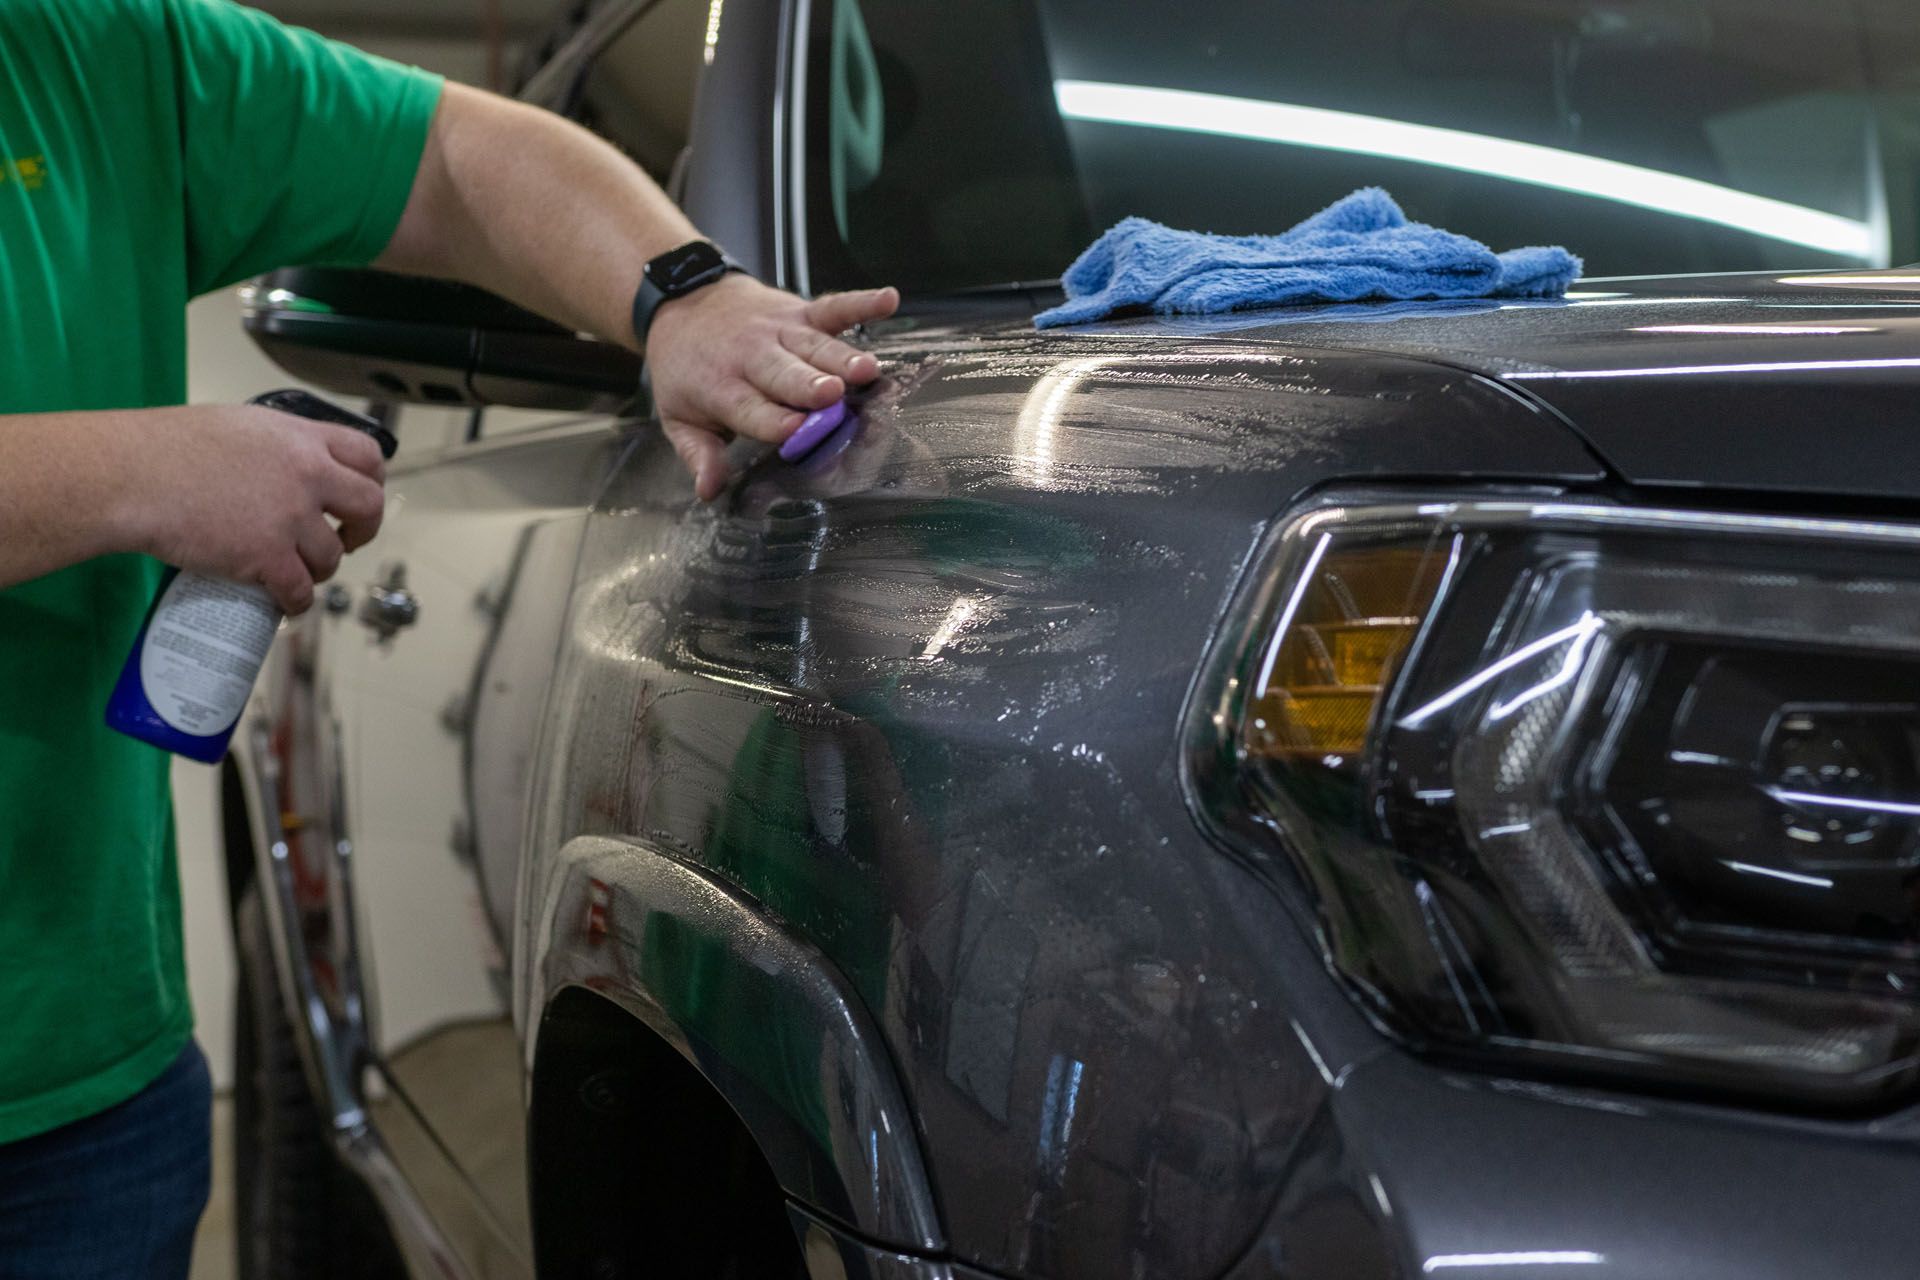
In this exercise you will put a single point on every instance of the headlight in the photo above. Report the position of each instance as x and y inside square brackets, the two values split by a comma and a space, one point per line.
[1627, 791]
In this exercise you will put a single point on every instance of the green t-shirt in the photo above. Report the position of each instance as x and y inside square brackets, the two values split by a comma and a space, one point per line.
[150, 150]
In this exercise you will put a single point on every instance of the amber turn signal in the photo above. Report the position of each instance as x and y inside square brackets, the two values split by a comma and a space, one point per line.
[1337, 649]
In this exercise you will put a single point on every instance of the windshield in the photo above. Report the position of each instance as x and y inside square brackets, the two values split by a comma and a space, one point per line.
[968, 144]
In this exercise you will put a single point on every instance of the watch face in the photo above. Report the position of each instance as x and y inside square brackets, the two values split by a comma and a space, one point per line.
[678, 270]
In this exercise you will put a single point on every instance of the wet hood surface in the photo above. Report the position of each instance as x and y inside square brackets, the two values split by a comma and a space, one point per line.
[1803, 384]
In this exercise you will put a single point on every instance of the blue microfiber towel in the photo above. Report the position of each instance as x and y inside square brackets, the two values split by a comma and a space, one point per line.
[1361, 246]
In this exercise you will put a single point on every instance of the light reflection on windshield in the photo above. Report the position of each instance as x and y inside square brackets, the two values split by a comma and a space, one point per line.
[1470, 152]
[958, 146]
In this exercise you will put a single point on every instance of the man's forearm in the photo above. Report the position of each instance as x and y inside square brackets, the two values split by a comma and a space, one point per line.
[63, 493]
[527, 205]
[534, 208]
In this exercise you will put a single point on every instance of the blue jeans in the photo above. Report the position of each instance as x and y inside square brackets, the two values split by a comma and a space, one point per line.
[114, 1195]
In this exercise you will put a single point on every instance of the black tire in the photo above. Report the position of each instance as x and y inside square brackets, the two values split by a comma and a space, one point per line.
[298, 1214]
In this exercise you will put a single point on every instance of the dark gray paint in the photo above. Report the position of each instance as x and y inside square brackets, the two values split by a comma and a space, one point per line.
[1117, 1050]
[1471, 1167]
[919, 701]
[1769, 402]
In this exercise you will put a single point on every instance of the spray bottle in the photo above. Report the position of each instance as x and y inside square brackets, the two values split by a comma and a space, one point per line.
[204, 639]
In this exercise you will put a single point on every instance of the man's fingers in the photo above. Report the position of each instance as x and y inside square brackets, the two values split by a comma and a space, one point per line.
[320, 548]
[289, 583]
[854, 366]
[358, 503]
[742, 409]
[354, 449]
[837, 311]
[788, 380]
[355, 534]
[704, 456]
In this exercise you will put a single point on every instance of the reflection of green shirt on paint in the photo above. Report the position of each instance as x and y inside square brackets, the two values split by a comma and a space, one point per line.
[768, 840]
[803, 823]
[150, 150]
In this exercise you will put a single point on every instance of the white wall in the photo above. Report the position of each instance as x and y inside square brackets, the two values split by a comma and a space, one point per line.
[224, 367]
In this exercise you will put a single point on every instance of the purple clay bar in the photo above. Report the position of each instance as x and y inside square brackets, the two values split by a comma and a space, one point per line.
[817, 426]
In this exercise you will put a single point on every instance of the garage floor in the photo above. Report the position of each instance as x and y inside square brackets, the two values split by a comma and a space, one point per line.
[213, 1247]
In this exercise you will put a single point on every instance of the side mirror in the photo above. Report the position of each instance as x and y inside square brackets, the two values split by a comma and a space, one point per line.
[392, 337]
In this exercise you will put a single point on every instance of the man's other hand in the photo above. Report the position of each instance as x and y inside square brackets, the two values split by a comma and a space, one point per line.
[740, 358]
[243, 492]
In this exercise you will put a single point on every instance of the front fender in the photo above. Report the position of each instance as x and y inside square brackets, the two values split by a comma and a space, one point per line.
[764, 1016]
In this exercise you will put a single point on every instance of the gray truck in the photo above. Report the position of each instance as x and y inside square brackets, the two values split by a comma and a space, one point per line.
[1372, 790]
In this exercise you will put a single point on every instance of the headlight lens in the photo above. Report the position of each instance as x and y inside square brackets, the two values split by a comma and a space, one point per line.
[1632, 791]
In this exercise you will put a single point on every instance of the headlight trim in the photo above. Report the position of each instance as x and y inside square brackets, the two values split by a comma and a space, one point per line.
[1216, 763]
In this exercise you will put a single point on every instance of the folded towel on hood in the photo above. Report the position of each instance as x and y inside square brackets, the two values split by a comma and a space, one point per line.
[1359, 247]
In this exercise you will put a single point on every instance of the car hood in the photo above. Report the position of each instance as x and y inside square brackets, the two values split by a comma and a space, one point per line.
[1803, 383]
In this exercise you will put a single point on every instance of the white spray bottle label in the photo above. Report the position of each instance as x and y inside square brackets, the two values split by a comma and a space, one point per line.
[203, 648]
[204, 640]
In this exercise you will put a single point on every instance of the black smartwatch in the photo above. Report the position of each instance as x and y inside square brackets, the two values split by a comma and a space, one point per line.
[675, 274]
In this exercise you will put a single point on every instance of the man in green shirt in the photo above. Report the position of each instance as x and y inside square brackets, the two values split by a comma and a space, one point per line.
[150, 151]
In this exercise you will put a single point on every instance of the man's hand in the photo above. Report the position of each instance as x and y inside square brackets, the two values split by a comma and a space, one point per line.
[535, 208]
[243, 492]
[235, 492]
[739, 358]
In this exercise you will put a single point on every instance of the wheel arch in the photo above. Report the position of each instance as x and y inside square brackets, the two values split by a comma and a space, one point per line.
[636, 1163]
[761, 1017]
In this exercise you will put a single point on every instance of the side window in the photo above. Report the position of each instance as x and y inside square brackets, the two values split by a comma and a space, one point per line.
[638, 94]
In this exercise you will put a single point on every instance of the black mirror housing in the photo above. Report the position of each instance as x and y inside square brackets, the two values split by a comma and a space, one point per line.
[405, 338]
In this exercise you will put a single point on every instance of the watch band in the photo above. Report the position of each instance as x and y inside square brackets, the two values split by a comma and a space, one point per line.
[675, 274]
